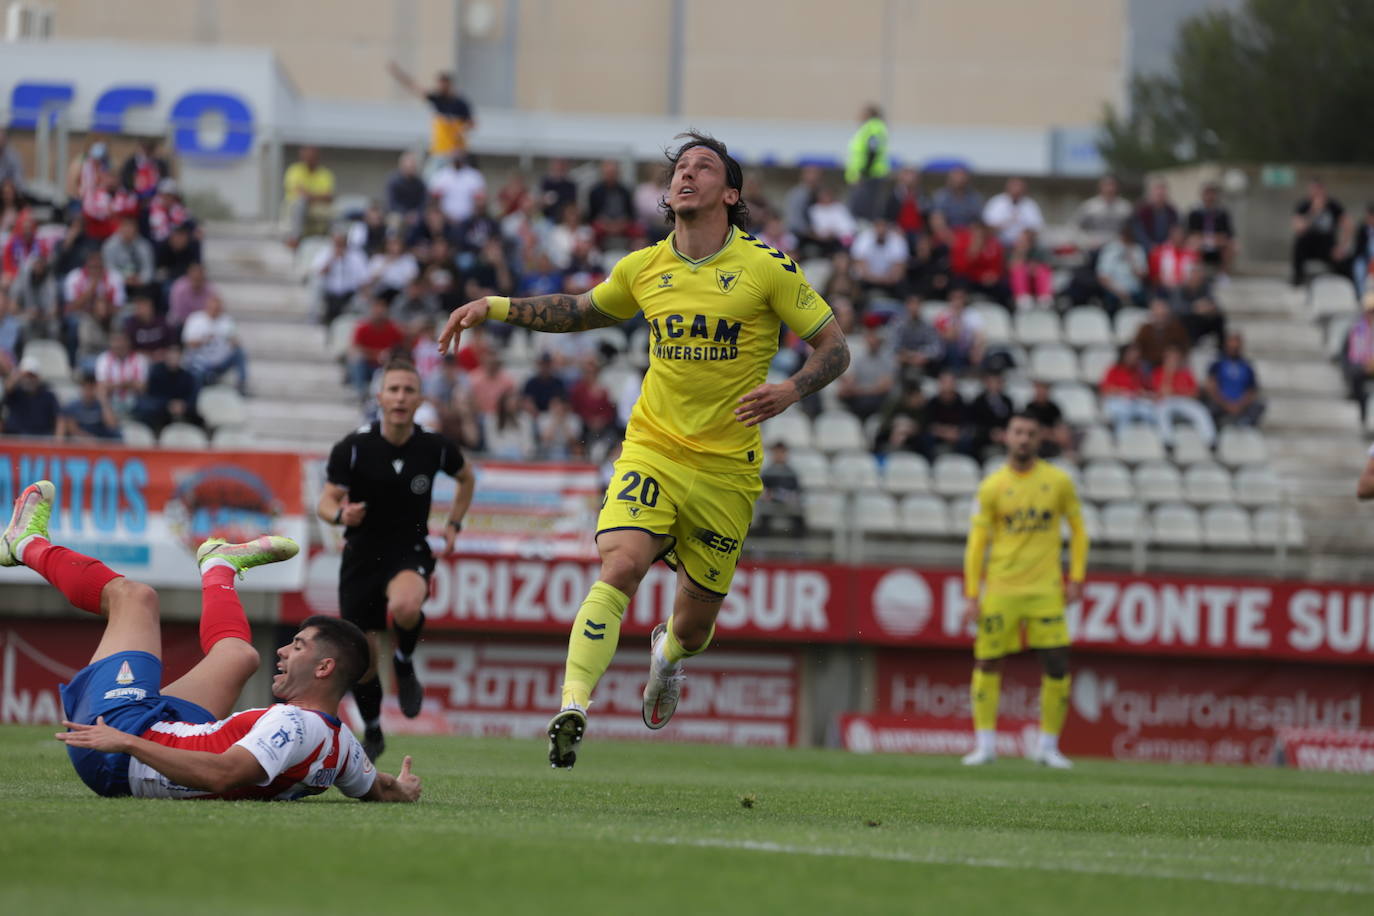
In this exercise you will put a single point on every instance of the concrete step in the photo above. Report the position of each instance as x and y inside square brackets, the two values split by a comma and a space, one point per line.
[1290, 338]
[301, 381]
[1335, 417]
[291, 421]
[284, 340]
[1278, 376]
[272, 300]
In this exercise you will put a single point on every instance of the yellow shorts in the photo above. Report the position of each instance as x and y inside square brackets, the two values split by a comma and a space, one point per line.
[1002, 620]
[702, 516]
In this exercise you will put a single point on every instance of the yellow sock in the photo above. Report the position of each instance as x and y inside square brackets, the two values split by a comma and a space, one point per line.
[1054, 703]
[987, 690]
[592, 642]
[673, 650]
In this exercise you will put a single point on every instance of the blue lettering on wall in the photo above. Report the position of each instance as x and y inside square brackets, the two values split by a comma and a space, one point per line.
[76, 473]
[108, 115]
[135, 478]
[238, 133]
[105, 495]
[30, 101]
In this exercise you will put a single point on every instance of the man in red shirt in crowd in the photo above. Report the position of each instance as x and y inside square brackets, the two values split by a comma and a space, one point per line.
[1124, 397]
[976, 258]
[374, 337]
[1175, 392]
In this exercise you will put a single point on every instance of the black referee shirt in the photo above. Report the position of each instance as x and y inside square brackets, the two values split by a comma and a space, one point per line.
[396, 482]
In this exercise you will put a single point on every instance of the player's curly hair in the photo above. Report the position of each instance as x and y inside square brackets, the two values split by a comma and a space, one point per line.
[738, 212]
[342, 641]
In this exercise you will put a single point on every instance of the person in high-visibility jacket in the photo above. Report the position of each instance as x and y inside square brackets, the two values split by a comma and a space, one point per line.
[867, 168]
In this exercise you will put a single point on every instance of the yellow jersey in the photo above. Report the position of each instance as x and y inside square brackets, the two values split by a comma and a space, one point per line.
[713, 329]
[1021, 513]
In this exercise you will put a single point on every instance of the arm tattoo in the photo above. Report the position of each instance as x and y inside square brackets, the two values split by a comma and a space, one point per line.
[691, 590]
[558, 314]
[825, 364]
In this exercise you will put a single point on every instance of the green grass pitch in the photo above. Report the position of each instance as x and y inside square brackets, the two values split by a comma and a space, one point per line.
[660, 828]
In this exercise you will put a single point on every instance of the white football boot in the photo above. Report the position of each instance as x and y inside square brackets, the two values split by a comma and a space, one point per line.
[664, 688]
[979, 757]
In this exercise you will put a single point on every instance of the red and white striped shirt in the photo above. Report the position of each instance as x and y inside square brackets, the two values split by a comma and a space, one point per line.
[303, 752]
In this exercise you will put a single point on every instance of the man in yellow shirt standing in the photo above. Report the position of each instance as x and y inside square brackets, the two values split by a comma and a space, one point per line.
[309, 189]
[451, 120]
[1016, 527]
[683, 490]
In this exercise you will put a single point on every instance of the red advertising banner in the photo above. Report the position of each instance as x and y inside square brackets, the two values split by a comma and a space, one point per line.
[512, 689]
[1168, 710]
[1328, 749]
[146, 512]
[902, 606]
[37, 655]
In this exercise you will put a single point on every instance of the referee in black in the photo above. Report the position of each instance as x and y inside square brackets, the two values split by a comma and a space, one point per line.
[379, 482]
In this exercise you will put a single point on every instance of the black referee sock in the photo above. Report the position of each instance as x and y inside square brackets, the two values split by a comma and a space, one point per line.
[406, 640]
[368, 696]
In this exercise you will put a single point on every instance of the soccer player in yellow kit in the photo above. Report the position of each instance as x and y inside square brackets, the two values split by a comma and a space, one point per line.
[684, 487]
[1018, 512]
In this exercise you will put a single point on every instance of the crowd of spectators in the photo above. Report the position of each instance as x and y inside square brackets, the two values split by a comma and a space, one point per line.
[114, 279]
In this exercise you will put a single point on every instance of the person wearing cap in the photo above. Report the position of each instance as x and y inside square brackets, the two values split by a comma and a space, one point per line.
[683, 489]
[88, 416]
[309, 189]
[30, 405]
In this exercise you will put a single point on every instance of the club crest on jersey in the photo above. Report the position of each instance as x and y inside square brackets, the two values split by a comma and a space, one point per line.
[419, 484]
[665, 281]
[727, 280]
[633, 510]
[125, 675]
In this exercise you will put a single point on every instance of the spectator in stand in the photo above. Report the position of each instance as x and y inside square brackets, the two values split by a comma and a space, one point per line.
[406, 194]
[84, 172]
[373, 340]
[977, 261]
[1198, 310]
[867, 165]
[796, 209]
[35, 294]
[961, 334]
[30, 405]
[1176, 396]
[880, 253]
[866, 385]
[1122, 269]
[103, 207]
[1320, 228]
[1171, 263]
[918, 347]
[541, 277]
[131, 256]
[513, 196]
[1363, 252]
[832, 225]
[11, 333]
[1058, 438]
[590, 399]
[70, 253]
[1210, 222]
[342, 273]
[1155, 216]
[189, 295]
[991, 412]
[1231, 390]
[489, 275]
[475, 231]
[144, 170]
[1012, 212]
[544, 386]
[1029, 274]
[1358, 356]
[368, 234]
[122, 374]
[564, 237]
[12, 203]
[167, 213]
[90, 283]
[433, 227]
[1161, 330]
[1100, 219]
[20, 247]
[927, 272]
[957, 201]
[779, 512]
[648, 194]
[309, 189]
[1125, 399]
[557, 431]
[843, 282]
[88, 417]
[490, 382]
[174, 256]
[171, 394]
[949, 417]
[610, 207]
[903, 428]
[148, 331]
[94, 331]
[211, 341]
[452, 119]
[556, 190]
[11, 169]
[391, 270]
[456, 187]
[508, 433]
[908, 205]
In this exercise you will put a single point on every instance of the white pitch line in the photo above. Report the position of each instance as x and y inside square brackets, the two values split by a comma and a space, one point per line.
[977, 862]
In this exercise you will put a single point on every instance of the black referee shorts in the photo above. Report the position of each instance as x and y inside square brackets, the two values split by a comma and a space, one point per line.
[364, 575]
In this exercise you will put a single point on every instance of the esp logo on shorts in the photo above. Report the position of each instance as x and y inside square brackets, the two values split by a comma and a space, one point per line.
[715, 541]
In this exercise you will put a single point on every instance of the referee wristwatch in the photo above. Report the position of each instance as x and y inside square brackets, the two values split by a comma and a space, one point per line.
[338, 516]
[457, 526]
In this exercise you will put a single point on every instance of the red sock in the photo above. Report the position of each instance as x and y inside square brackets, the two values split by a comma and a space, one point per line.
[221, 612]
[79, 577]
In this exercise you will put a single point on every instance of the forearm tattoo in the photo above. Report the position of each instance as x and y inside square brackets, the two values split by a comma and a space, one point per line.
[826, 363]
[557, 314]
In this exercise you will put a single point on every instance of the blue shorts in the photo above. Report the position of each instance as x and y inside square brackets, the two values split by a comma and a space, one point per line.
[124, 688]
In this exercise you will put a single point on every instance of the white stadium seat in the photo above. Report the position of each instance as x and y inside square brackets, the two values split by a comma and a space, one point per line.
[823, 511]
[51, 356]
[1273, 525]
[1226, 526]
[1240, 445]
[1038, 326]
[854, 470]
[1257, 486]
[232, 437]
[904, 472]
[1054, 363]
[932, 309]
[137, 435]
[638, 352]
[183, 436]
[955, 475]
[221, 405]
[1097, 443]
[340, 336]
[1077, 401]
[1189, 447]
[1207, 484]
[817, 271]
[1087, 326]
[792, 427]
[996, 324]
[925, 514]
[1092, 521]
[1071, 469]
[961, 515]
[812, 468]
[306, 253]
[1176, 525]
[1336, 328]
[1158, 482]
[1094, 363]
[1332, 294]
[1107, 481]
[1126, 323]
[837, 431]
[876, 512]
[1139, 443]
[1123, 523]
